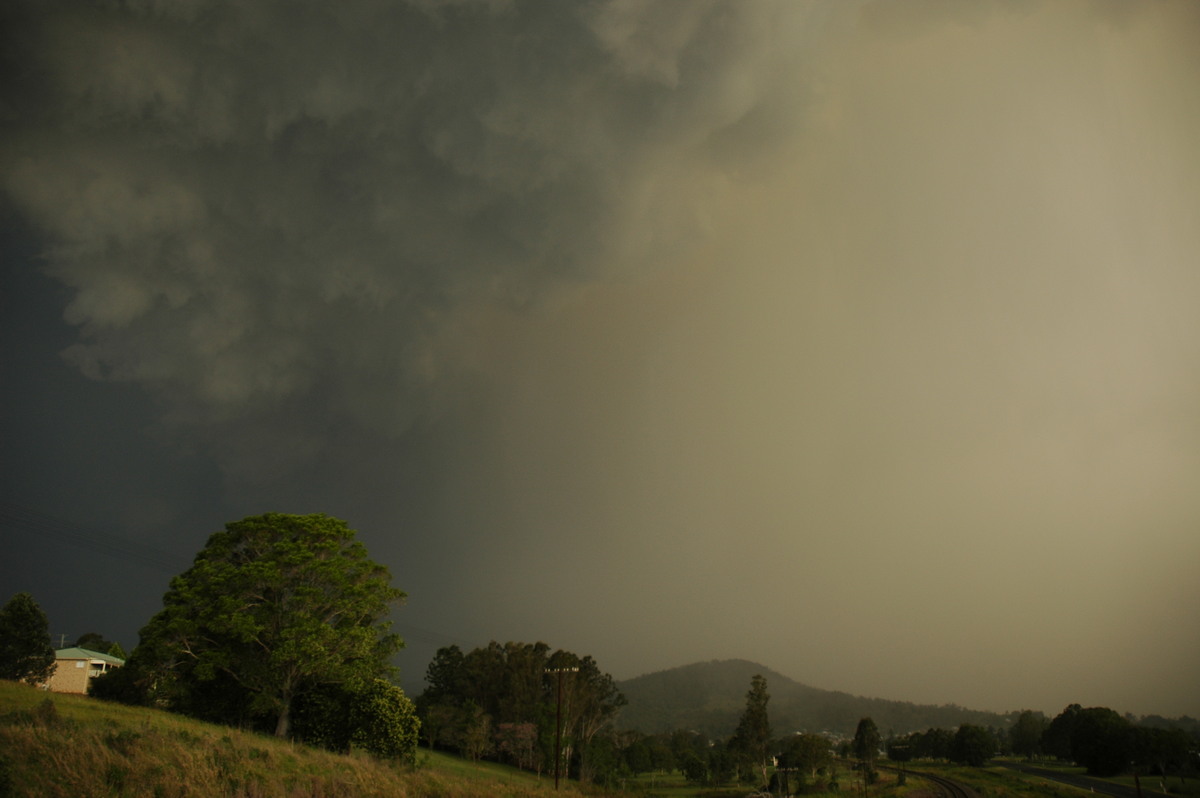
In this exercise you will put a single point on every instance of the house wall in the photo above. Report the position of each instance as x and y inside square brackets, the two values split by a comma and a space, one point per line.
[73, 675]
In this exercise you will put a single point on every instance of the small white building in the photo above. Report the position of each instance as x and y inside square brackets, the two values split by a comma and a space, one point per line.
[76, 667]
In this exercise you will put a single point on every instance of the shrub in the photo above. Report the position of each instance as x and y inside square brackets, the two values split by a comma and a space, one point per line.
[375, 716]
[385, 722]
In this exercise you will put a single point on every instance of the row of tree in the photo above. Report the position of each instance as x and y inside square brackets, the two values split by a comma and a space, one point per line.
[1097, 738]
[523, 704]
[1107, 743]
[969, 744]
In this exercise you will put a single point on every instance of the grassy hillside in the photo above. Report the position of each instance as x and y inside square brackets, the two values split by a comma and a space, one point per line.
[58, 745]
[709, 697]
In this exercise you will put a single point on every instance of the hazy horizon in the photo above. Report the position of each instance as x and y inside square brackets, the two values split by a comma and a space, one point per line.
[857, 339]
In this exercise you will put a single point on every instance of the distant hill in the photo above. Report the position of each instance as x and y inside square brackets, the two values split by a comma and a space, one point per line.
[709, 697]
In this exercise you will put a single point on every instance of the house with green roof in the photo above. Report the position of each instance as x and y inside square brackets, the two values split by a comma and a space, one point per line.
[76, 667]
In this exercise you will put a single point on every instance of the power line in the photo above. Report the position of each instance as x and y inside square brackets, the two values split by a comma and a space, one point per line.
[24, 520]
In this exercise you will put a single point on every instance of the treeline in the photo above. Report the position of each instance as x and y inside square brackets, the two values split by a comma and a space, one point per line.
[523, 704]
[967, 745]
[1097, 738]
[501, 702]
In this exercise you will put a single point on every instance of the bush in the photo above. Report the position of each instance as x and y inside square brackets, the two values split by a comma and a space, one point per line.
[322, 718]
[120, 685]
[385, 722]
[376, 717]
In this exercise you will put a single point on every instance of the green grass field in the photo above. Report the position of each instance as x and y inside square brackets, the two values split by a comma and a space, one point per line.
[63, 746]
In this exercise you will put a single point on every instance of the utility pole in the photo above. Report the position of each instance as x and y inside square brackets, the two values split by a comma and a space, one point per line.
[558, 720]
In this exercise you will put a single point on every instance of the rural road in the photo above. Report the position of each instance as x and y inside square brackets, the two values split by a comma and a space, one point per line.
[1084, 782]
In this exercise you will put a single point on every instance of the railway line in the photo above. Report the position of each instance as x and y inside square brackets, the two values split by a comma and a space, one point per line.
[946, 787]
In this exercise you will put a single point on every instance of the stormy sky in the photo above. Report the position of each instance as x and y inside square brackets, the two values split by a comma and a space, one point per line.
[859, 339]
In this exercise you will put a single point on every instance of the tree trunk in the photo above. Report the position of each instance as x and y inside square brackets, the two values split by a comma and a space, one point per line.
[284, 723]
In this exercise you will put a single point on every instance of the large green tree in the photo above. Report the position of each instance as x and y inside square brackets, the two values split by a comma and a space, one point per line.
[273, 605]
[751, 742]
[25, 651]
[1097, 738]
[1102, 741]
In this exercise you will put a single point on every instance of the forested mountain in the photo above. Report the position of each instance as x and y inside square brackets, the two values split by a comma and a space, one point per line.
[708, 697]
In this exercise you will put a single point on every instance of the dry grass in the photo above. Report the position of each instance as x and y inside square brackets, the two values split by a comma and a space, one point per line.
[54, 746]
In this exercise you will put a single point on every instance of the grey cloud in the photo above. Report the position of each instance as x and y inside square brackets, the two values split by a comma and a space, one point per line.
[255, 203]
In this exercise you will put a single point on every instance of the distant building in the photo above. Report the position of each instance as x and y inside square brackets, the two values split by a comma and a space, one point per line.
[76, 667]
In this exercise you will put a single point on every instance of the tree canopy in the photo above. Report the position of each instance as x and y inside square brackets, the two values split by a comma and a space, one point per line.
[972, 745]
[502, 698]
[25, 650]
[807, 752]
[1097, 738]
[272, 606]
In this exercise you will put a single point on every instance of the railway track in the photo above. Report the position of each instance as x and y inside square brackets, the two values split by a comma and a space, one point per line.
[945, 786]
[948, 787]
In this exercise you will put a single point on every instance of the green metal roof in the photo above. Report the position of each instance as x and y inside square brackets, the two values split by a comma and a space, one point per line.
[83, 653]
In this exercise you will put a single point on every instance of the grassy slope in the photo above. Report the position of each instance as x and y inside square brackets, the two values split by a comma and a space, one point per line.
[60, 745]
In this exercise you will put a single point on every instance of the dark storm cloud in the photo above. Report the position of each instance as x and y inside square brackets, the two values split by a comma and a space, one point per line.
[269, 212]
